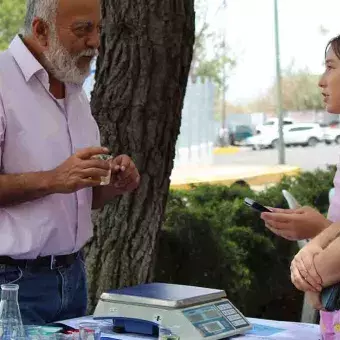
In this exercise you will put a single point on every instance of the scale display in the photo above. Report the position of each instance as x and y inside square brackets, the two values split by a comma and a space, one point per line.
[215, 319]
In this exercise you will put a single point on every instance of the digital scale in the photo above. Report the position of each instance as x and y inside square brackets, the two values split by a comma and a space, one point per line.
[195, 313]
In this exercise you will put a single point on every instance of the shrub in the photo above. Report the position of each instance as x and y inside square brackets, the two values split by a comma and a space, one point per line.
[211, 239]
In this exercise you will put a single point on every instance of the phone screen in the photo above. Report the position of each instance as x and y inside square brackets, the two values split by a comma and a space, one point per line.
[256, 206]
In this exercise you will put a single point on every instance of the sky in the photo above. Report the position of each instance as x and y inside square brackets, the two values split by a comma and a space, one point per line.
[249, 28]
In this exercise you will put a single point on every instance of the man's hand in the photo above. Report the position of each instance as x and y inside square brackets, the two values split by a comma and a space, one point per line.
[80, 171]
[295, 224]
[125, 176]
[124, 179]
[303, 272]
[314, 300]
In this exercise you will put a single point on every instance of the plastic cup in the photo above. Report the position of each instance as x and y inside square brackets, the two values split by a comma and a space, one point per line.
[104, 180]
[89, 331]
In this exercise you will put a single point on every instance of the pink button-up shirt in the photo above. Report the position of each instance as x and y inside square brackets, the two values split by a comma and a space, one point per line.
[38, 133]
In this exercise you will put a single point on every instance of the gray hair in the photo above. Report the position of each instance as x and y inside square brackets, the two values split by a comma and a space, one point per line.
[43, 9]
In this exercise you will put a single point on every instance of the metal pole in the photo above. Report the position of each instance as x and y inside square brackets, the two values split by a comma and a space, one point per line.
[279, 110]
[224, 88]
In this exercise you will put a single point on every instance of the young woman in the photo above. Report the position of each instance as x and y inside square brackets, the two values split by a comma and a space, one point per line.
[317, 265]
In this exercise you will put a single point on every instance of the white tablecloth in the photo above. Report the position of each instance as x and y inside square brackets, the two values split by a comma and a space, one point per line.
[280, 330]
[262, 329]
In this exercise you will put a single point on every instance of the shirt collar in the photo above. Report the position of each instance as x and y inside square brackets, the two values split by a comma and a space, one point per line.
[26, 61]
[30, 66]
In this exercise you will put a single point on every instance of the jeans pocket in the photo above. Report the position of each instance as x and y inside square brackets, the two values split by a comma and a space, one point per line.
[10, 274]
[81, 259]
[83, 268]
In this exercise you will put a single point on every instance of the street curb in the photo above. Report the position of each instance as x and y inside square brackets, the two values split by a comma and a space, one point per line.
[263, 179]
[226, 150]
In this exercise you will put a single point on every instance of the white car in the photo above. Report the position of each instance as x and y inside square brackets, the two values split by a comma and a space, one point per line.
[332, 135]
[262, 141]
[305, 134]
[272, 124]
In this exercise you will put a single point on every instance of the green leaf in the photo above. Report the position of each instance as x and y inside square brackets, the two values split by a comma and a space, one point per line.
[12, 14]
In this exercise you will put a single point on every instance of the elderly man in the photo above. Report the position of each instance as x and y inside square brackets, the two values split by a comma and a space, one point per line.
[49, 178]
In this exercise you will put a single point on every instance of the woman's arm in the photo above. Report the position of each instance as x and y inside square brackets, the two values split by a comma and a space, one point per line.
[316, 263]
[327, 263]
[327, 235]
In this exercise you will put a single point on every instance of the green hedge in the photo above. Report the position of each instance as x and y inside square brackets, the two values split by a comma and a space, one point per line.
[211, 239]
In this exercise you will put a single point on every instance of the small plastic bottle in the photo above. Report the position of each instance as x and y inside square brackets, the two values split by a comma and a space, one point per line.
[11, 327]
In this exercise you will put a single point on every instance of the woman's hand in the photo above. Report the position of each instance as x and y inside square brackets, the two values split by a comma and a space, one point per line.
[295, 224]
[303, 271]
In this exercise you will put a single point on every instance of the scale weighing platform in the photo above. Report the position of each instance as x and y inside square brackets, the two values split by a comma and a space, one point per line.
[192, 313]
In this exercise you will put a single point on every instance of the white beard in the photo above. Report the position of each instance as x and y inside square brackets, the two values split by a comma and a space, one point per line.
[62, 65]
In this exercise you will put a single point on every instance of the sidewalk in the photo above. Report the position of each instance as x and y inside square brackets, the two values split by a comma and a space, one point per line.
[226, 150]
[254, 175]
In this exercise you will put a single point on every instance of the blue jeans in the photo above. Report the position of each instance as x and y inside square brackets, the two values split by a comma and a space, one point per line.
[47, 295]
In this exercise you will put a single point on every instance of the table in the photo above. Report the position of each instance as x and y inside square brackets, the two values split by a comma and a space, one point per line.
[281, 330]
[262, 329]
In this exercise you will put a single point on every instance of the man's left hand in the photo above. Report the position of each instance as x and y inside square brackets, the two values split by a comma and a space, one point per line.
[125, 176]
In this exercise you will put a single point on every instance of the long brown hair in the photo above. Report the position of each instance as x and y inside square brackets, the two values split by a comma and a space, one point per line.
[335, 44]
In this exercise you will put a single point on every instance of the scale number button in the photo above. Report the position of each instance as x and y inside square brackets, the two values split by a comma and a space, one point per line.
[234, 317]
[225, 306]
[239, 322]
[229, 312]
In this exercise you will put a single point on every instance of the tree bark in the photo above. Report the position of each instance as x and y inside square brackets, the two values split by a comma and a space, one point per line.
[142, 73]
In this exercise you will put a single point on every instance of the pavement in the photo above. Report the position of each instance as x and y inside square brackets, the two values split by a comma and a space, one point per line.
[254, 175]
[306, 158]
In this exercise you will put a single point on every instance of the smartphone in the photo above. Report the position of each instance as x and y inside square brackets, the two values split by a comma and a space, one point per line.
[256, 206]
[330, 298]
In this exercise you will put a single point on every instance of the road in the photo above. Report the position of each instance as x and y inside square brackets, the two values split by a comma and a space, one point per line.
[307, 158]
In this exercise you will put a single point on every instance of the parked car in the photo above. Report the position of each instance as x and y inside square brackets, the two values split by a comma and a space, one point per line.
[272, 124]
[305, 134]
[332, 135]
[262, 141]
[238, 133]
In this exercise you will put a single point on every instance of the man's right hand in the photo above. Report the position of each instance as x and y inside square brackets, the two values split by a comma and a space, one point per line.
[80, 171]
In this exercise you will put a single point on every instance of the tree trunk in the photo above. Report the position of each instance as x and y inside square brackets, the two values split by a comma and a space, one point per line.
[142, 72]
